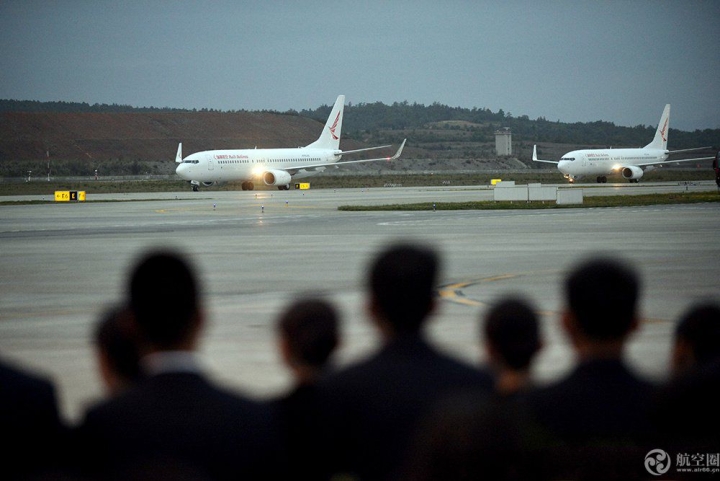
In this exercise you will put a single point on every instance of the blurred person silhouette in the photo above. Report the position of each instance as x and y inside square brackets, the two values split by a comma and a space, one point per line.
[307, 337]
[117, 349]
[34, 433]
[373, 407]
[174, 417]
[512, 339]
[473, 435]
[697, 338]
[600, 411]
[686, 410]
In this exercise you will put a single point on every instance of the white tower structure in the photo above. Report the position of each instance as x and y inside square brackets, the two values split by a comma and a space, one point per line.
[503, 141]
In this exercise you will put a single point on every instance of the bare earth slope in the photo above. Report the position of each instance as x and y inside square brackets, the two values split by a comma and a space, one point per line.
[145, 136]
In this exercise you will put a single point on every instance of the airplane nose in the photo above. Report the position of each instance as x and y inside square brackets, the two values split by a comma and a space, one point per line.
[563, 166]
[180, 170]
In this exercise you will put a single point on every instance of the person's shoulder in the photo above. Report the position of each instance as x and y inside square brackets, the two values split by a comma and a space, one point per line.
[349, 374]
[20, 380]
[461, 371]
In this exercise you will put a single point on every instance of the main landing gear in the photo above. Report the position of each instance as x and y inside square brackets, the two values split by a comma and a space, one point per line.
[284, 187]
[248, 186]
[602, 179]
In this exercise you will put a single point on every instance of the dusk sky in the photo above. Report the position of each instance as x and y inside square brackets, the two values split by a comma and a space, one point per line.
[618, 61]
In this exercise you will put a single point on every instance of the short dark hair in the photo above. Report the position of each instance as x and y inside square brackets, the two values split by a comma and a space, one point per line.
[511, 327]
[602, 293]
[310, 327]
[700, 328]
[116, 336]
[402, 282]
[164, 298]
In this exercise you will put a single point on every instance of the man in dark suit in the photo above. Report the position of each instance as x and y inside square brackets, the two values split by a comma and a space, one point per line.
[174, 420]
[307, 337]
[373, 408]
[686, 410]
[33, 434]
[512, 339]
[598, 414]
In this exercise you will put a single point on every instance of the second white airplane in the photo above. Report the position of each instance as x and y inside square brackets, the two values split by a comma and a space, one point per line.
[276, 167]
[629, 162]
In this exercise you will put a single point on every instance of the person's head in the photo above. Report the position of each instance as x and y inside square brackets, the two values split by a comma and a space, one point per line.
[697, 337]
[401, 283]
[512, 334]
[117, 348]
[308, 333]
[601, 296]
[164, 299]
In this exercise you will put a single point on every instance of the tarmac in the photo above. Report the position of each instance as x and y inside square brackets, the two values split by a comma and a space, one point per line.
[255, 251]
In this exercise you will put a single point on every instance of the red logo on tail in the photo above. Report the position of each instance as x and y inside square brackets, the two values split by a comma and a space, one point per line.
[662, 132]
[334, 126]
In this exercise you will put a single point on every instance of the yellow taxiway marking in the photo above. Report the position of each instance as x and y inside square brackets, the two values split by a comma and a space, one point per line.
[453, 292]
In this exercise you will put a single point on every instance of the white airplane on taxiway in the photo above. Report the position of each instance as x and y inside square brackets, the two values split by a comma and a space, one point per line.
[276, 167]
[629, 162]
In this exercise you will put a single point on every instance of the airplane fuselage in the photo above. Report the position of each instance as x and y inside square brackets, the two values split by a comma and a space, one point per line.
[580, 163]
[251, 164]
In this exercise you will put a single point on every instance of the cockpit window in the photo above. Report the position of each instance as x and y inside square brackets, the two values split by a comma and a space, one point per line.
[189, 161]
[568, 158]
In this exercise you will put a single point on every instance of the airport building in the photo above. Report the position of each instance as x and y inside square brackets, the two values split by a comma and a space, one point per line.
[503, 141]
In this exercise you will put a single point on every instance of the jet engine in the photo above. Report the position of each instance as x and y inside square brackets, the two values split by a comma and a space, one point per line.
[632, 173]
[276, 177]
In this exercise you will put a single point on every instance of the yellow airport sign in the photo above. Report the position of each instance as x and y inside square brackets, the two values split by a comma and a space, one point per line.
[495, 181]
[303, 186]
[69, 195]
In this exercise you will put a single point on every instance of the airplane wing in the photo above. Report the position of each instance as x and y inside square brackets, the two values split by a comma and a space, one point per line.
[535, 159]
[312, 166]
[363, 150]
[687, 150]
[676, 160]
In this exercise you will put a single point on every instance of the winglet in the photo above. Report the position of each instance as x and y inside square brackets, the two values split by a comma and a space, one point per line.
[399, 151]
[535, 158]
[178, 156]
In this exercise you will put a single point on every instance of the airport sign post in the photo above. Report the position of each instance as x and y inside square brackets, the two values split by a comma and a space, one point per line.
[69, 196]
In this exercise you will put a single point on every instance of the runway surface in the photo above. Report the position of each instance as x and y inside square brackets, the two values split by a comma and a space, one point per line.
[255, 251]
